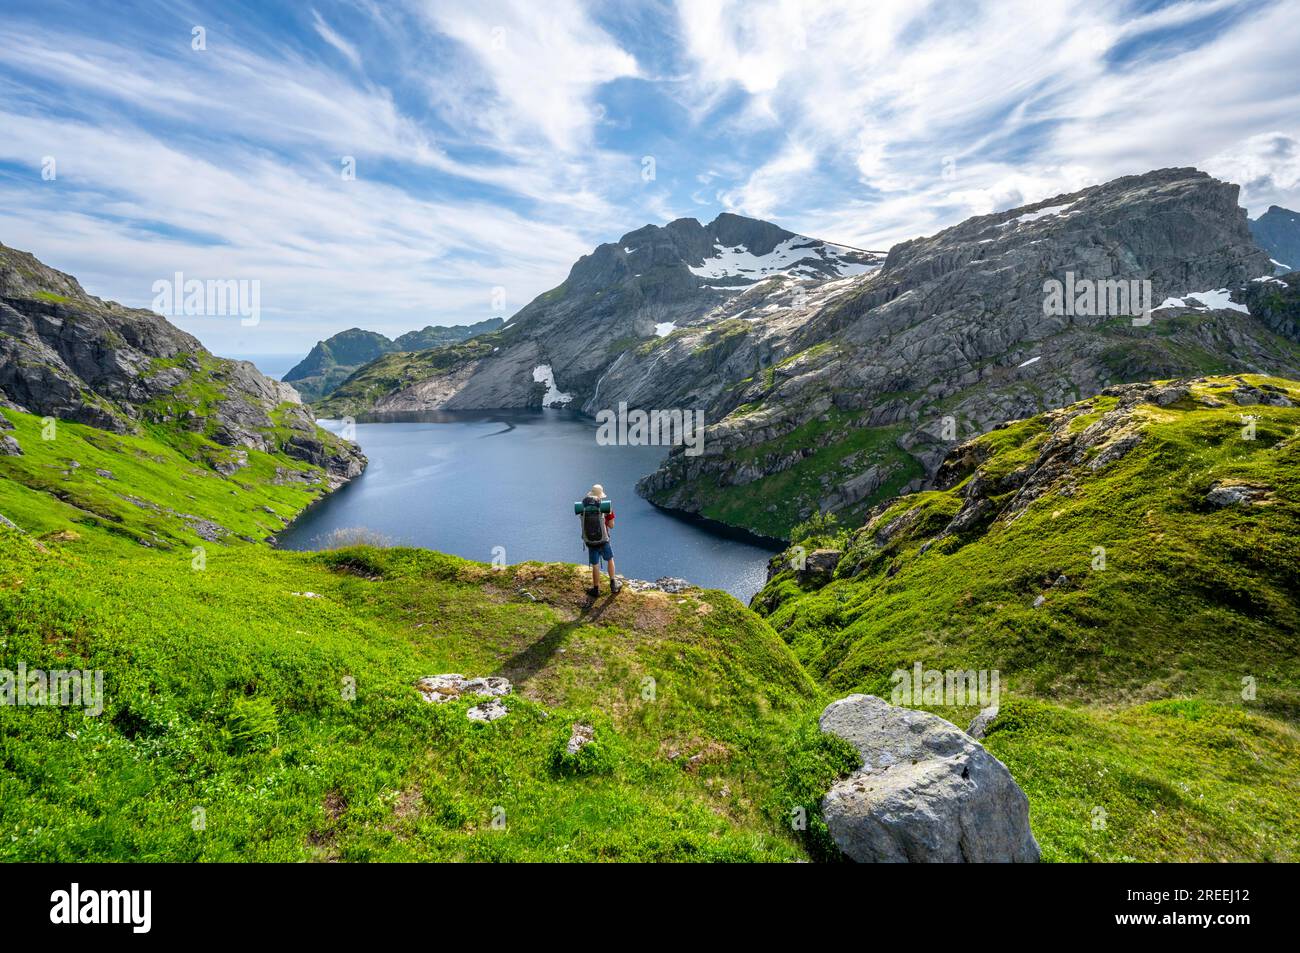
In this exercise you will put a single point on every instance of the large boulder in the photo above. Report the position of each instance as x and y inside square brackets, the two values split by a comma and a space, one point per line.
[819, 565]
[926, 792]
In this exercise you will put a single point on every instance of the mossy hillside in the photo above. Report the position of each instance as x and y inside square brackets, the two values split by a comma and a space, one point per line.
[1149, 709]
[226, 691]
[149, 483]
[1192, 597]
[831, 449]
[1172, 780]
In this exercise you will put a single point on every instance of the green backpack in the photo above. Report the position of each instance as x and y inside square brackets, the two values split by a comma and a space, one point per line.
[592, 511]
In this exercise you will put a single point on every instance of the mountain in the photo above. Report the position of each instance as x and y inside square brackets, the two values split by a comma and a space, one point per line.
[331, 361]
[863, 395]
[622, 296]
[438, 335]
[68, 355]
[1278, 232]
[833, 378]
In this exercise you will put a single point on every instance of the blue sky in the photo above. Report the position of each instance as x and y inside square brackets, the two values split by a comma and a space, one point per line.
[495, 142]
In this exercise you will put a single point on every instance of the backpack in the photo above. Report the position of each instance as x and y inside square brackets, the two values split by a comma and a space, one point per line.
[594, 530]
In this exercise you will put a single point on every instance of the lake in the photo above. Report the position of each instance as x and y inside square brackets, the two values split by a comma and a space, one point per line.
[469, 482]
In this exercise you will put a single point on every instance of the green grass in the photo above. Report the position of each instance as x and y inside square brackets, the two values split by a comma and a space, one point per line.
[226, 692]
[840, 449]
[225, 686]
[1186, 588]
[1173, 780]
[44, 492]
[1127, 684]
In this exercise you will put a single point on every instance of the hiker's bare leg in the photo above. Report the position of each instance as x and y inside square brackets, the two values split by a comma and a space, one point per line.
[595, 575]
[610, 564]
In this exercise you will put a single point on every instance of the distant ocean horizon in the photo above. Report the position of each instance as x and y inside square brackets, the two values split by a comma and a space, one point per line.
[272, 365]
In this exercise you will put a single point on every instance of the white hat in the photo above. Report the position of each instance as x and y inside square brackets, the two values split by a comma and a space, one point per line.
[597, 491]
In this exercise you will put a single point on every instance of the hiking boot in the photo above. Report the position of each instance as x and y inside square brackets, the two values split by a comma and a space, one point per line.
[593, 591]
[615, 587]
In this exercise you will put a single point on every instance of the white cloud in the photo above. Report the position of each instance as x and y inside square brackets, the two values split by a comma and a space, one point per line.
[336, 252]
[239, 175]
[765, 189]
[327, 34]
[917, 114]
[1266, 165]
[542, 63]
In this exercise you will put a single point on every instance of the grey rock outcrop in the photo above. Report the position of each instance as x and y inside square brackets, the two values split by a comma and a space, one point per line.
[581, 736]
[926, 791]
[439, 689]
[490, 710]
[979, 725]
[820, 564]
[668, 584]
[1230, 494]
[67, 354]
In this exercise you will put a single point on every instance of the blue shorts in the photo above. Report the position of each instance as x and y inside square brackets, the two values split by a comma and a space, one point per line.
[596, 553]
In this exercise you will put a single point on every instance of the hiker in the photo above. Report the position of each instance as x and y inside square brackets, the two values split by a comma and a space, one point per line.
[595, 534]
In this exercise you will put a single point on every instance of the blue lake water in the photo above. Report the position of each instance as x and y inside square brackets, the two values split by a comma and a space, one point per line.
[468, 482]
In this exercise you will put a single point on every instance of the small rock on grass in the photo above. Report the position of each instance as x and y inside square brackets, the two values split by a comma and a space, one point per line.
[581, 736]
[487, 711]
[980, 723]
[449, 687]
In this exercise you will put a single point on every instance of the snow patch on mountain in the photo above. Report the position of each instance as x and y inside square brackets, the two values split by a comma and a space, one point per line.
[665, 328]
[1035, 216]
[553, 397]
[797, 256]
[1217, 300]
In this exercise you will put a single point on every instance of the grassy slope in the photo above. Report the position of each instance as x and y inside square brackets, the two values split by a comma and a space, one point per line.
[43, 492]
[1147, 655]
[401, 369]
[224, 690]
[774, 503]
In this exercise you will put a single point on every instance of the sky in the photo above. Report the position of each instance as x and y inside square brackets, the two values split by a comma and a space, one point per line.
[389, 164]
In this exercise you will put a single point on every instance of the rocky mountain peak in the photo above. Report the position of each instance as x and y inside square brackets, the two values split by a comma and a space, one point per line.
[70, 355]
[22, 275]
